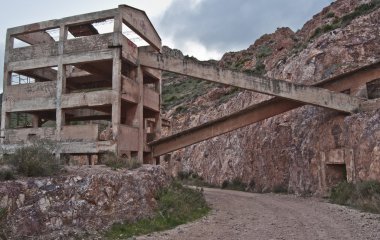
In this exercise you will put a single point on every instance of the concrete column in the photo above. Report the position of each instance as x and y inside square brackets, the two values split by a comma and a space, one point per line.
[350, 165]
[116, 81]
[35, 121]
[61, 82]
[322, 173]
[140, 115]
[6, 82]
[158, 115]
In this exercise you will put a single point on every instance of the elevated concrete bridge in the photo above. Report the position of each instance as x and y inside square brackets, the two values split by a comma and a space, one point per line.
[287, 96]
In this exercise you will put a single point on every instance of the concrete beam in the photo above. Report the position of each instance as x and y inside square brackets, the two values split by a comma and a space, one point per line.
[130, 90]
[84, 133]
[87, 99]
[263, 110]
[151, 99]
[278, 88]
[36, 38]
[222, 125]
[138, 21]
[53, 60]
[29, 105]
[56, 23]
[86, 147]
[43, 74]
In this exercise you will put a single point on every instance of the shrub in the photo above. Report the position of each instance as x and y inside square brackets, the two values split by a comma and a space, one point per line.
[235, 184]
[182, 175]
[180, 109]
[362, 195]
[176, 205]
[193, 179]
[280, 189]
[329, 15]
[6, 174]
[110, 159]
[36, 160]
[263, 51]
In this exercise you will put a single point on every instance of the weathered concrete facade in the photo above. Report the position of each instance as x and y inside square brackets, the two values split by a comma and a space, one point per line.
[89, 92]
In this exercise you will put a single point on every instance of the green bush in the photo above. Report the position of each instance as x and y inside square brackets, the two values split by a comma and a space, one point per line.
[192, 179]
[329, 15]
[110, 159]
[362, 195]
[183, 175]
[176, 205]
[235, 184]
[36, 160]
[263, 51]
[180, 109]
[6, 174]
[280, 189]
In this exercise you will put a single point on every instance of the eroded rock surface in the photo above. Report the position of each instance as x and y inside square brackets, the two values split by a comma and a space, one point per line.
[84, 202]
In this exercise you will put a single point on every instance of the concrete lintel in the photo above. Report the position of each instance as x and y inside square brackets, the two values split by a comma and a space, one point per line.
[53, 61]
[56, 23]
[279, 88]
[29, 105]
[86, 147]
[45, 74]
[33, 64]
[91, 99]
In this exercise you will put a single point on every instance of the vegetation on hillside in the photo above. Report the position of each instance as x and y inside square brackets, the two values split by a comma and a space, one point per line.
[346, 19]
[181, 91]
[362, 195]
[176, 205]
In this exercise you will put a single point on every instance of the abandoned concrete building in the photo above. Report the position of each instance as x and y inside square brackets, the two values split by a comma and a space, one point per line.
[94, 91]
[77, 80]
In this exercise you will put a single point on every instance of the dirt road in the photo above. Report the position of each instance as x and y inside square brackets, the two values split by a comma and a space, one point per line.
[240, 215]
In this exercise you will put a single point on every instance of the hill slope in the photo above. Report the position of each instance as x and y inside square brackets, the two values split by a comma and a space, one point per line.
[286, 152]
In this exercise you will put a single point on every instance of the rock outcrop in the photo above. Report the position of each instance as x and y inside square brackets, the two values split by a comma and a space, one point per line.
[291, 151]
[84, 202]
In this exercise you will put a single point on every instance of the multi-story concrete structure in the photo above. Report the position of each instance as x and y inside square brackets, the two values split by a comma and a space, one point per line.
[85, 88]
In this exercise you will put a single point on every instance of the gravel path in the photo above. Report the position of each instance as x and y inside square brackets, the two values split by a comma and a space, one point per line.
[241, 215]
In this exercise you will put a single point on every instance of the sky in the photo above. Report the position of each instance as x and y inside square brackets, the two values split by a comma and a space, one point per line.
[204, 29]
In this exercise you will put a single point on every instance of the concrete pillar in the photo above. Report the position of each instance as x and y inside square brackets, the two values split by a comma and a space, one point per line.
[116, 81]
[6, 82]
[350, 165]
[158, 119]
[61, 82]
[140, 115]
[35, 121]
[322, 173]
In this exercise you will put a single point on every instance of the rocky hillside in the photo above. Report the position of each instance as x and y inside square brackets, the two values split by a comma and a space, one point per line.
[286, 152]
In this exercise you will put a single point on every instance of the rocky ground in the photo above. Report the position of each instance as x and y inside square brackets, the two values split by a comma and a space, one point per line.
[241, 215]
[82, 203]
